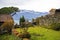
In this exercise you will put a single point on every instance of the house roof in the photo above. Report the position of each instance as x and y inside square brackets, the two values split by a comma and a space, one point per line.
[5, 17]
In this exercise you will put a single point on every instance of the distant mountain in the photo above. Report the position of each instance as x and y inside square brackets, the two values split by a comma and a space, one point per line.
[28, 14]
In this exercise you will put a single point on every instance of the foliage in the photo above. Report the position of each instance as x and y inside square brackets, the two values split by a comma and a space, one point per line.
[33, 22]
[22, 22]
[55, 26]
[16, 26]
[29, 25]
[8, 25]
[8, 10]
[22, 19]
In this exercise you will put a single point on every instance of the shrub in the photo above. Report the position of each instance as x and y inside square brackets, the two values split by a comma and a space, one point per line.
[16, 26]
[55, 26]
[7, 26]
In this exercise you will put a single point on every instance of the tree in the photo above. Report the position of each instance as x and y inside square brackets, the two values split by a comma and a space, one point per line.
[8, 10]
[34, 21]
[23, 25]
[22, 22]
[37, 21]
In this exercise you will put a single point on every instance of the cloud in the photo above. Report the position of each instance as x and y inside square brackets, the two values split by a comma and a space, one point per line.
[41, 5]
[4, 3]
[36, 5]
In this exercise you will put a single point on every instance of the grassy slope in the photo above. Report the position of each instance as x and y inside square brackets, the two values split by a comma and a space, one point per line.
[46, 34]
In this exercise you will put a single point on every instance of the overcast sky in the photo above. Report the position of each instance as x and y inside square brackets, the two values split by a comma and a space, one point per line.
[36, 5]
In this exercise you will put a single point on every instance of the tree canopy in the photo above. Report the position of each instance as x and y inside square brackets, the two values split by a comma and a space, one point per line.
[8, 10]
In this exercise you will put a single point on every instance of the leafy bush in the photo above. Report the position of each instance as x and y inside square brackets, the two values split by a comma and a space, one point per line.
[55, 26]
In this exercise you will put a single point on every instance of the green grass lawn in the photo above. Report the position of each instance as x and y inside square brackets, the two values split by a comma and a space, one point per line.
[45, 34]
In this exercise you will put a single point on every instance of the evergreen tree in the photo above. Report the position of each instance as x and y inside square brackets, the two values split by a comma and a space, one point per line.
[22, 22]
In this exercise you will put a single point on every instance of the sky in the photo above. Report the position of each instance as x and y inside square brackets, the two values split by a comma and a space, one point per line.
[36, 5]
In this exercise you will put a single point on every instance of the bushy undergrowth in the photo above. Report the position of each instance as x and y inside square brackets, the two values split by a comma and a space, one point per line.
[55, 26]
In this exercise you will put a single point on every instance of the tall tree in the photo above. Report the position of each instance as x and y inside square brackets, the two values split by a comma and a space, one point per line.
[22, 22]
